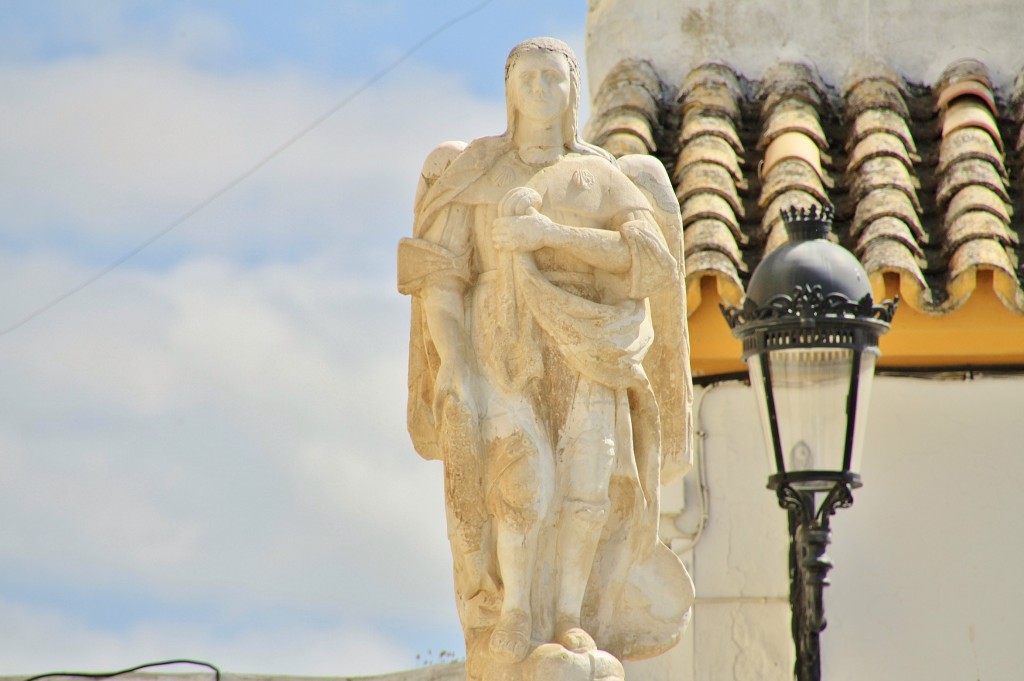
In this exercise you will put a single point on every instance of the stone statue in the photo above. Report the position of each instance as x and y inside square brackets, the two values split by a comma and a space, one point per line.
[549, 372]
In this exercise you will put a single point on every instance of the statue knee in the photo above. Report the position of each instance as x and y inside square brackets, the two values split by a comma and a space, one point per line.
[588, 514]
[520, 495]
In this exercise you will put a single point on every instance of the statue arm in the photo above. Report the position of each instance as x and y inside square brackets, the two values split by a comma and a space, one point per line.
[634, 247]
[436, 269]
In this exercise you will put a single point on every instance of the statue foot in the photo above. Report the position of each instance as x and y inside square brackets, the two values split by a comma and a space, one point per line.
[571, 636]
[510, 640]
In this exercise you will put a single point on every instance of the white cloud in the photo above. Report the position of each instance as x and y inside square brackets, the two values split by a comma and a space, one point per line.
[41, 639]
[113, 147]
[225, 428]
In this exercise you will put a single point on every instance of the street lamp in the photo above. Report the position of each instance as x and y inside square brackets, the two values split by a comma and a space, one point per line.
[810, 333]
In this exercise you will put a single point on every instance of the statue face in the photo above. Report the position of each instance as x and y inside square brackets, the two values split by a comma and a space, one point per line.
[540, 84]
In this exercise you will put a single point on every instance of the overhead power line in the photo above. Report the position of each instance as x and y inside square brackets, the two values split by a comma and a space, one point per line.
[246, 174]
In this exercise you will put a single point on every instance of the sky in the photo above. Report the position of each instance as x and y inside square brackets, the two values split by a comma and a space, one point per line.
[203, 453]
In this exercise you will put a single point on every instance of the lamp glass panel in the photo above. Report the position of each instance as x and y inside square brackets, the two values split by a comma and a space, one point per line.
[810, 387]
[757, 383]
[867, 374]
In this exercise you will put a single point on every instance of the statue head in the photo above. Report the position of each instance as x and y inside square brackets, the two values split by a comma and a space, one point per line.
[561, 51]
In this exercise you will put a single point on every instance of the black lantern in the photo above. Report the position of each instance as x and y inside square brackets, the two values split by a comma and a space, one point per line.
[810, 333]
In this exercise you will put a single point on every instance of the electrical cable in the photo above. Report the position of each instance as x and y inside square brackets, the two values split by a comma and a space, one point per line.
[107, 675]
[252, 170]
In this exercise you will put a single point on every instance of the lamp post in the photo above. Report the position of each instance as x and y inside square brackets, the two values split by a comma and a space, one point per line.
[810, 333]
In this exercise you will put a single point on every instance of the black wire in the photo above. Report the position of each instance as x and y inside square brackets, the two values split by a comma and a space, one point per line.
[274, 153]
[107, 675]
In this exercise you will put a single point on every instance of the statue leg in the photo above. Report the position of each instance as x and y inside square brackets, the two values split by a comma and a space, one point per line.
[589, 456]
[522, 499]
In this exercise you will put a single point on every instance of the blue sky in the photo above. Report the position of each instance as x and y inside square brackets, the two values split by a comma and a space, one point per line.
[203, 454]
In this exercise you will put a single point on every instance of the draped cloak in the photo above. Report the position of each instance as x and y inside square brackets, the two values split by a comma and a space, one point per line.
[614, 331]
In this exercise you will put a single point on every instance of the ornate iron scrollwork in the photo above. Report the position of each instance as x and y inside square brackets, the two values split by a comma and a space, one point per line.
[809, 301]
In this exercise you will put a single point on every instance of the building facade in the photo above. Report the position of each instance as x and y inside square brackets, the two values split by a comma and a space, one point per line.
[906, 117]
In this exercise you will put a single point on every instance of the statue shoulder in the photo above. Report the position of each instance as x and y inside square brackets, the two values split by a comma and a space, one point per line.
[650, 176]
[436, 163]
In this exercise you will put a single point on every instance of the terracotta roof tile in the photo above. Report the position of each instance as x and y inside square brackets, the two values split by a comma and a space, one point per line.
[924, 192]
[887, 202]
[627, 121]
[793, 116]
[881, 120]
[973, 256]
[627, 104]
[701, 178]
[870, 69]
[876, 95]
[970, 172]
[772, 215]
[622, 143]
[791, 82]
[977, 198]
[710, 149]
[710, 234]
[977, 225]
[881, 144]
[717, 266]
[712, 206]
[967, 143]
[696, 124]
[790, 174]
[891, 229]
[884, 172]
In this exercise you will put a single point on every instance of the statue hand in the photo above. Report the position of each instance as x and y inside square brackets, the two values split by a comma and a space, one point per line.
[521, 232]
[453, 385]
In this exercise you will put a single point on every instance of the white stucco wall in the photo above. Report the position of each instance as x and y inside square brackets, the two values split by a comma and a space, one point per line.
[917, 38]
[926, 583]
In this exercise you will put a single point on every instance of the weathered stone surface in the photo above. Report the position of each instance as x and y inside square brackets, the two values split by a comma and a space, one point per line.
[549, 372]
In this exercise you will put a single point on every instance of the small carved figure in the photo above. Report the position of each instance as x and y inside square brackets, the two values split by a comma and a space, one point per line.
[549, 372]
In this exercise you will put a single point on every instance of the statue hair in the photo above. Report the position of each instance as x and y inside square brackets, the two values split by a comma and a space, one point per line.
[570, 121]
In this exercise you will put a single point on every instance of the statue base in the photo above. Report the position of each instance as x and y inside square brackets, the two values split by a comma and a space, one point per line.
[554, 662]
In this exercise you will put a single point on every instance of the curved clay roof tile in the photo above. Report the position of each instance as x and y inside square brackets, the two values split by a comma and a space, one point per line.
[797, 198]
[976, 255]
[880, 144]
[882, 172]
[885, 256]
[965, 143]
[707, 205]
[964, 69]
[977, 225]
[867, 70]
[967, 173]
[713, 235]
[711, 75]
[977, 198]
[887, 202]
[793, 145]
[892, 229]
[624, 120]
[792, 173]
[695, 125]
[791, 81]
[709, 149]
[639, 71]
[717, 266]
[881, 120]
[798, 118]
[715, 102]
[970, 113]
[620, 144]
[967, 88]
[628, 95]
[876, 94]
[709, 177]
